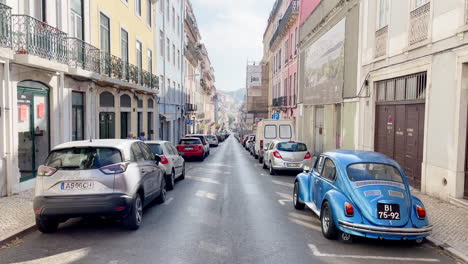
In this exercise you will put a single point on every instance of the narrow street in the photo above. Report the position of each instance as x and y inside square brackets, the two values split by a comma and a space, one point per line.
[227, 210]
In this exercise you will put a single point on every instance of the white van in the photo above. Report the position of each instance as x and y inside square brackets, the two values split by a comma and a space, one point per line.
[269, 130]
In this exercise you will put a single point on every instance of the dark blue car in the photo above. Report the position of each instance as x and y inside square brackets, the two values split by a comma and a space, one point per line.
[361, 193]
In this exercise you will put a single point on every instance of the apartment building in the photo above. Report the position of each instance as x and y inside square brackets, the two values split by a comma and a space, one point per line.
[169, 32]
[71, 70]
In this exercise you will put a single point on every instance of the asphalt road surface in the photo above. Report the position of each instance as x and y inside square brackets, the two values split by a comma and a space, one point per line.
[227, 210]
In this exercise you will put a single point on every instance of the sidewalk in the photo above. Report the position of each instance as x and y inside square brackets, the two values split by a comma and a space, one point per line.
[450, 221]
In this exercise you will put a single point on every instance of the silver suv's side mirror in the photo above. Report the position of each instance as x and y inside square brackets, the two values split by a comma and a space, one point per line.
[306, 169]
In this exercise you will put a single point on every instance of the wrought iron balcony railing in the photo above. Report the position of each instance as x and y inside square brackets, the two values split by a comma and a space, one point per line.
[5, 26]
[83, 55]
[419, 23]
[31, 36]
[286, 21]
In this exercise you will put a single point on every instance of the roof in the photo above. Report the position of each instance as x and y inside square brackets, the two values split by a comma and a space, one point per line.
[346, 157]
[114, 143]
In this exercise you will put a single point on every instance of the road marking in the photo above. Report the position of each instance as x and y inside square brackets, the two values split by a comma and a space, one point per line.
[305, 224]
[304, 217]
[168, 201]
[208, 195]
[283, 183]
[208, 180]
[284, 195]
[64, 257]
[317, 253]
[283, 201]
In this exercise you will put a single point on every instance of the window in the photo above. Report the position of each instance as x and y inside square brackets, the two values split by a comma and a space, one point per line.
[383, 13]
[297, 41]
[156, 149]
[173, 54]
[139, 55]
[138, 7]
[167, 8]
[147, 154]
[292, 147]
[178, 59]
[150, 61]
[83, 158]
[279, 60]
[58, 13]
[173, 19]
[285, 131]
[77, 116]
[286, 51]
[418, 3]
[137, 154]
[329, 170]
[319, 164]
[149, 12]
[373, 172]
[168, 50]
[291, 46]
[124, 46]
[76, 19]
[161, 42]
[40, 10]
[178, 25]
[285, 87]
[161, 6]
[295, 87]
[105, 33]
[270, 131]
[106, 99]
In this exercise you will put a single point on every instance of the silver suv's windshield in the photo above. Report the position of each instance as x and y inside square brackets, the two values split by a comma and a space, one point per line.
[83, 158]
[373, 171]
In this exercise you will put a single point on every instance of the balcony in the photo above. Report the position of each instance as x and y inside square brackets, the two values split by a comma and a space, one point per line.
[419, 24]
[83, 55]
[286, 21]
[26, 35]
[31, 36]
[5, 26]
[192, 52]
[193, 26]
[191, 107]
[381, 37]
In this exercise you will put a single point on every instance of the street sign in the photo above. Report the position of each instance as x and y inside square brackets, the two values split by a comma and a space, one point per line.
[275, 116]
[189, 122]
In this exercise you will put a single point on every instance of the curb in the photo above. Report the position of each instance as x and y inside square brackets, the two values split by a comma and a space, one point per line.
[15, 234]
[449, 249]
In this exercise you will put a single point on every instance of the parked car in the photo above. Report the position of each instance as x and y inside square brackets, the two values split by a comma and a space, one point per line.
[171, 161]
[269, 130]
[204, 140]
[250, 140]
[212, 140]
[190, 147]
[99, 177]
[286, 156]
[361, 193]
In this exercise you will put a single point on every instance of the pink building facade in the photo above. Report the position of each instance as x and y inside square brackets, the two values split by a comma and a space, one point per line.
[283, 46]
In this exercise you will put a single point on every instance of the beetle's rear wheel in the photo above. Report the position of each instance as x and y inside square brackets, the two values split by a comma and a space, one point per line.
[329, 229]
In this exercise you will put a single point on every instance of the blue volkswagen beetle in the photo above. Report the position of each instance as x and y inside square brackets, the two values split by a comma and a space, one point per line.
[361, 193]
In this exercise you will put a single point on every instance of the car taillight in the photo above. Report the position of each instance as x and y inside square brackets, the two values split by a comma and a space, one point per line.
[277, 154]
[349, 210]
[200, 147]
[261, 144]
[114, 168]
[45, 171]
[308, 156]
[421, 212]
[164, 160]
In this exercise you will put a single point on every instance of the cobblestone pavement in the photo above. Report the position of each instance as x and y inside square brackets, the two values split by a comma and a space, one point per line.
[450, 222]
[17, 213]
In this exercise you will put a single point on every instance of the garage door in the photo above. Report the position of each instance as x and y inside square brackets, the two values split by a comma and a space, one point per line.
[399, 130]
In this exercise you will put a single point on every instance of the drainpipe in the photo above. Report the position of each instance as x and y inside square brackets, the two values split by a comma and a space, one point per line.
[8, 135]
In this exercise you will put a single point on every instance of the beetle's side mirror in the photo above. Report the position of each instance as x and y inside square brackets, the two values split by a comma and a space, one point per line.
[306, 169]
[157, 159]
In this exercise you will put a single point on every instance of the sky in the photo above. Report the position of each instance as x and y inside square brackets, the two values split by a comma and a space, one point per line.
[232, 31]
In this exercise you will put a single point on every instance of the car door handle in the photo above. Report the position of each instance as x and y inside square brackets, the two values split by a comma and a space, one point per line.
[143, 170]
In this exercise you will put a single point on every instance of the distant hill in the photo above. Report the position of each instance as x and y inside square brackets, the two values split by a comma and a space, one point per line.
[237, 95]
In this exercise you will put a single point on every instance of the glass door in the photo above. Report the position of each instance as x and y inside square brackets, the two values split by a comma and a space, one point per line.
[106, 125]
[33, 130]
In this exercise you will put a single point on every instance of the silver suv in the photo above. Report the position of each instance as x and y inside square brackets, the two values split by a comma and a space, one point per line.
[99, 177]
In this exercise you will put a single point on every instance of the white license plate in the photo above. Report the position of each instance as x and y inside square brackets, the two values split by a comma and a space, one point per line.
[189, 148]
[78, 185]
[294, 165]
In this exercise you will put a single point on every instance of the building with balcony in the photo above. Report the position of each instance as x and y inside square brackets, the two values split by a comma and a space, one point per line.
[413, 104]
[170, 39]
[62, 80]
[192, 66]
[206, 95]
[283, 36]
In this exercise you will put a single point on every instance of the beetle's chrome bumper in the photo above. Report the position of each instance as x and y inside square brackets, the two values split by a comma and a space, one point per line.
[387, 230]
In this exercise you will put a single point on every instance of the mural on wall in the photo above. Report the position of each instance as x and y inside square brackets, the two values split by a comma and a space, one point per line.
[324, 67]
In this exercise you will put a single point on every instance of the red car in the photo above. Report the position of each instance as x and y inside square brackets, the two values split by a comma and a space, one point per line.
[191, 147]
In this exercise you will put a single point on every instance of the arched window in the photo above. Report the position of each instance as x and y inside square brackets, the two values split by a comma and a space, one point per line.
[106, 99]
[140, 103]
[150, 103]
[125, 101]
